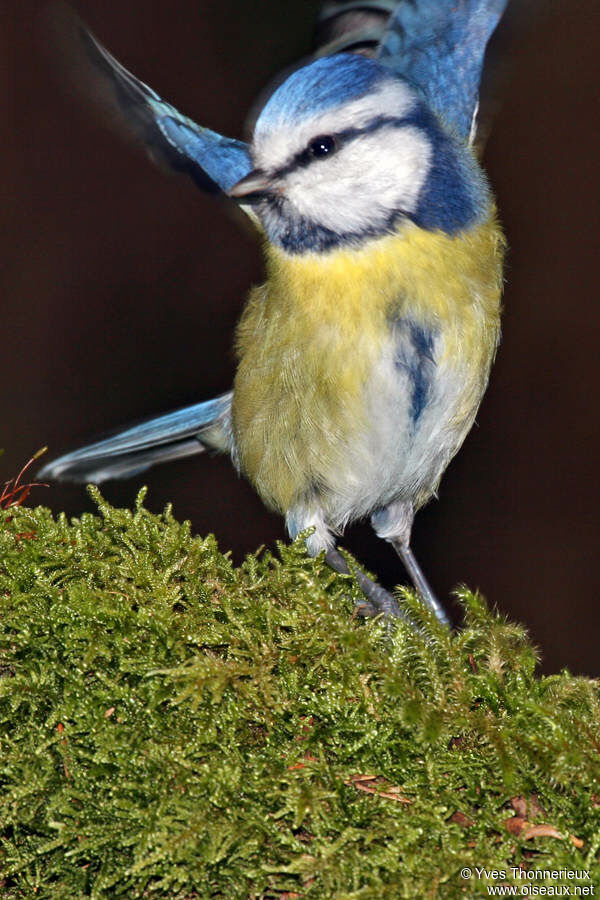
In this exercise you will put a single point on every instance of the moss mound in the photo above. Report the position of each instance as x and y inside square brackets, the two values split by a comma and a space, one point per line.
[173, 726]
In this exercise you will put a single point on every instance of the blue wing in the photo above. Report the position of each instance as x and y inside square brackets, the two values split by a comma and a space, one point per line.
[174, 435]
[352, 25]
[214, 162]
[439, 46]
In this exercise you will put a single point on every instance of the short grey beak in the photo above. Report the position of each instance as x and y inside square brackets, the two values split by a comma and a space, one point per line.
[252, 188]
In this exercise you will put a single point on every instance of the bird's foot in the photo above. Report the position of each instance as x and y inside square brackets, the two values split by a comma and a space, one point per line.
[377, 600]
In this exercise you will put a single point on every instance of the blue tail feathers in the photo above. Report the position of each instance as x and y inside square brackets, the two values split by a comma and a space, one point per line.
[180, 433]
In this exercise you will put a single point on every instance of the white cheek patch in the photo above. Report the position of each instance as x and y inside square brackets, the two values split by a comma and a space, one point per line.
[273, 149]
[366, 182]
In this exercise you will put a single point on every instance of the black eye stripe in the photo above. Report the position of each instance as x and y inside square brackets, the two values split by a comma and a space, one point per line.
[349, 134]
[305, 157]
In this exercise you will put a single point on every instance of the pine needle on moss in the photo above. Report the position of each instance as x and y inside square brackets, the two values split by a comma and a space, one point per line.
[173, 726]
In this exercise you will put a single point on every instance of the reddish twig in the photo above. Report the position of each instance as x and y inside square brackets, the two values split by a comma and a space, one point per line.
[13, 492]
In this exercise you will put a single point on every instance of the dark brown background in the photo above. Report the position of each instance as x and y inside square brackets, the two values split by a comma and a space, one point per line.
[120, 289]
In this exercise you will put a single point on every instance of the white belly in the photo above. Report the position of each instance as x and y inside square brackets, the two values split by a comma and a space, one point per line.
[421, 404]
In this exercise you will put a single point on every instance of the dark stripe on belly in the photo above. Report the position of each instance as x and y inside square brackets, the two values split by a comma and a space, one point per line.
[415, 355]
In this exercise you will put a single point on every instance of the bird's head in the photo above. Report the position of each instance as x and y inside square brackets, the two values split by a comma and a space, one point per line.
[344, 151]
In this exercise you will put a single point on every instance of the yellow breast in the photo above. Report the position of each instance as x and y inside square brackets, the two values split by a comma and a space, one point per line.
[310, 337]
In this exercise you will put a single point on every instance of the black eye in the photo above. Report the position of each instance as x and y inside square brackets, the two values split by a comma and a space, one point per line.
[322, 146]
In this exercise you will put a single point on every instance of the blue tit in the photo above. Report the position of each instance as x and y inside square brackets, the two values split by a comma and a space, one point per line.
[364, 356]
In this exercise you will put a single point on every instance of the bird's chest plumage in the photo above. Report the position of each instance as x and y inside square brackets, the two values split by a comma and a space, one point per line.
[344, 357]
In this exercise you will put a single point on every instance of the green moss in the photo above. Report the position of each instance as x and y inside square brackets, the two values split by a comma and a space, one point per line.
[173, 726]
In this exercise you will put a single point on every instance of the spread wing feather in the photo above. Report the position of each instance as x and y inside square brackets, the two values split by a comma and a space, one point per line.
[214, 162]
[439, 46]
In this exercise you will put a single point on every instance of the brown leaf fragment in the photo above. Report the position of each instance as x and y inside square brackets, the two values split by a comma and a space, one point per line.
[577, 842]
[354, 778]
[515, 824]
[519, 804]
[535, 809]
[375, 784]
[369, 789]
[541, 831]
[527, 807]
[306, 723]
[303, 835]
[459, 818]
[388, 795]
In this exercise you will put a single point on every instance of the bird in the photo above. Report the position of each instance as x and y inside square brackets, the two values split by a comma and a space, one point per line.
[363, 357]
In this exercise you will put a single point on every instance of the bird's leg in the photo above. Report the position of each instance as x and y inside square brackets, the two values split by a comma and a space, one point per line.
[394, 524]
[378, 599]
[418, 579]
